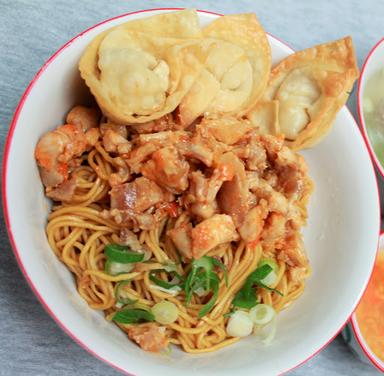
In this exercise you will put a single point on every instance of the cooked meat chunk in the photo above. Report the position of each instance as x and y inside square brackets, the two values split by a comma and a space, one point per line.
[211, 232]
[150, 337]
[137, 196]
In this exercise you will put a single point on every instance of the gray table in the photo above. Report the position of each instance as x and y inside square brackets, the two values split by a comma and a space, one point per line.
[30, 31]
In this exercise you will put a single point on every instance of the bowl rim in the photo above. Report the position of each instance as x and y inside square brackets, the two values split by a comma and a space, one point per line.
[7, 148]
[359, 337]
[360, 108]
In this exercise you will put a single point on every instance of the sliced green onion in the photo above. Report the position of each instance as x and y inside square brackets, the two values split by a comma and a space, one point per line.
[246, 296]
[266, 333]
[177, 279]
[209, 305]
[133, 316]
[170, 267]
[261, 284]
[122, 254]
[142, 306]
[270, 279]
[172, 288]
[200, 292]
[173, 273]
[206, 264]
[165, 312]
[115, 268]
[272, 263]
[147, 254]
[160, 282]
[202, 279]
[239, 324]
[262, 314]
[172, 291]
[222, 267]
[260, 273]
[244, 300]
[188, 287]
[122, 296]
[229, 314]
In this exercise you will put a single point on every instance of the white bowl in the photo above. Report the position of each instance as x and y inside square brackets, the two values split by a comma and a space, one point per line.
[357, 341]
[373, 62]
[341, 236]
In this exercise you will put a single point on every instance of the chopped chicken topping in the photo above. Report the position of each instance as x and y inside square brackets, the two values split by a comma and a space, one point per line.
[150, 337]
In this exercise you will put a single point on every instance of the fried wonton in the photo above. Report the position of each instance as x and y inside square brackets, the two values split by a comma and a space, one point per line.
[310, 87]
[237, 62]
[138, 76]
[245, 31]
[224, 84]
[265, 117]
[179, 24]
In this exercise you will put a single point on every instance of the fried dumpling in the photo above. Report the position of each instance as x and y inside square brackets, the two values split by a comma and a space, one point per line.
[179, 24]
[224, 83]
[310, 87]
[265, 117]
[245, 31]
[237, 61]
[139, 76]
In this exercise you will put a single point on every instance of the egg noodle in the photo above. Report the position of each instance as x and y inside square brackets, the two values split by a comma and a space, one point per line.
[78, 234]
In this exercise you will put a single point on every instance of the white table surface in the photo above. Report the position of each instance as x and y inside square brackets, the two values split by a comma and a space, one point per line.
[30, 31]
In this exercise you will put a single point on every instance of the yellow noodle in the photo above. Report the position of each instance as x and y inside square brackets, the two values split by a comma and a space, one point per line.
[78, 231]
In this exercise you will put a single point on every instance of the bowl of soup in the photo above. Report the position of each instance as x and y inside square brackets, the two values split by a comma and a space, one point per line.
[371, 103]
[365, 333]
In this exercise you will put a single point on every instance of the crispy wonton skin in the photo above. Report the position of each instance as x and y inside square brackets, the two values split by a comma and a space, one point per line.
[245, 31]
[237, 62]
[138, 76]
[310, 87]
[265, 117]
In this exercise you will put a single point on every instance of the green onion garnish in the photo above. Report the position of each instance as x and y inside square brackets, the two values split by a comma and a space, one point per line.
[246, 296]
[133, 316]
[205, 266]
[120, 294]
[202, 277]
[260, 273]
[218, 263]
[245, 300]
[270, 262]
[161, 282]
[122, 254]
[264, 286]
[229, 314]
[116, 268]
[209, 305]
